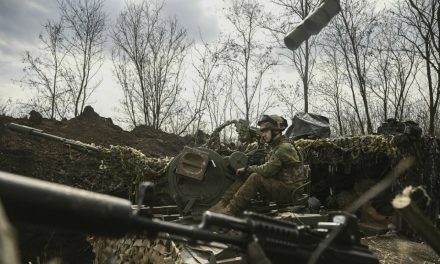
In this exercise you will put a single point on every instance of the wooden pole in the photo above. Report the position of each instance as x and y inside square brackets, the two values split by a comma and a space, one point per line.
[409, 211]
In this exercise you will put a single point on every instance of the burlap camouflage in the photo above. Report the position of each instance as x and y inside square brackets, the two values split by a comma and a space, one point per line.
[135, 250]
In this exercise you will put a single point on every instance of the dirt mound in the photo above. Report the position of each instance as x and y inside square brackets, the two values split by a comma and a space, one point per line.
[49, 160]
[89, 127]
[157, 141]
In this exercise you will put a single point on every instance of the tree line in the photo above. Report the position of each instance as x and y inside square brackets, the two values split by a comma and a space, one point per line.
[369, 64]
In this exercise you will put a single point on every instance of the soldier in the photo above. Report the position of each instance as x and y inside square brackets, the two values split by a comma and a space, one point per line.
[248, 136]
[276, 179]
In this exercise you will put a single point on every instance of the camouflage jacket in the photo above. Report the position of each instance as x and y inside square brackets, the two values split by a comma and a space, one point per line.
[282, 162]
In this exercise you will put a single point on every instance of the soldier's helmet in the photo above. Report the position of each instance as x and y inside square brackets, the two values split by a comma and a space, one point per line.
[272, 122]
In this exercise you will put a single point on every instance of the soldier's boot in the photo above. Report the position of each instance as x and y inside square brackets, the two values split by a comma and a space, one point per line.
[220, 205]
[227, 196]
[230, 210]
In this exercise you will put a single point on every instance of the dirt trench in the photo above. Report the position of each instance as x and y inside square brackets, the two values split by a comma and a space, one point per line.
[51, 161]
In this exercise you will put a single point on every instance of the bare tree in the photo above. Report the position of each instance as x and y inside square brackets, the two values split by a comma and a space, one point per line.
[288, 97]
[303, 58]
[152, 49]
[395, 68]
[407, 70]
[249, 59]
[127, 80]
[43, 73]
[168, 47]
[330, 86]
[422, 20]
[219, 100]
[207, 62]
[85, 34]
[131, 35]
[351, 33]
[383, 69]
[6, 107]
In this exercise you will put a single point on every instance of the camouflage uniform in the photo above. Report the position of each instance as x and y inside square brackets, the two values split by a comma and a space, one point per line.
[275, 179]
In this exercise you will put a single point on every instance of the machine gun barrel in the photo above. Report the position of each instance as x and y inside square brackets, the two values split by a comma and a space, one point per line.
[55, 205]
[43, 203]
[67, 142]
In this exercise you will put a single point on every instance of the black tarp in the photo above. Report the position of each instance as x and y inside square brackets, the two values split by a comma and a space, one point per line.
[307, 125]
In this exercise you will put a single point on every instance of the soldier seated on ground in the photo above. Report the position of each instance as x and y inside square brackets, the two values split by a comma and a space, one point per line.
[276, 179]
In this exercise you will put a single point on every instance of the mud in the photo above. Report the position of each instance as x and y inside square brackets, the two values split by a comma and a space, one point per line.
[392, 249]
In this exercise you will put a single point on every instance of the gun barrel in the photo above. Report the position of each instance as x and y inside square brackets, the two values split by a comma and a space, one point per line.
[40, 133]
[23, 128]
[34, 201]
[56, 205]
[211, 219]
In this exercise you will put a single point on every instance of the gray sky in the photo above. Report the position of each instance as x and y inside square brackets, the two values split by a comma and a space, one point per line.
[21, 22]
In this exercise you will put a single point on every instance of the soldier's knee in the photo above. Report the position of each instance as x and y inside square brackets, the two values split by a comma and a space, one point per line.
[255, 177]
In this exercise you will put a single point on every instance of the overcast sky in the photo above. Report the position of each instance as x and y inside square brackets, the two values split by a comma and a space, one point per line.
[21, 22]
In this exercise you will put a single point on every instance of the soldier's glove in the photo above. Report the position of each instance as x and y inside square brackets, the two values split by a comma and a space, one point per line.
[255, 253]
[241, 171]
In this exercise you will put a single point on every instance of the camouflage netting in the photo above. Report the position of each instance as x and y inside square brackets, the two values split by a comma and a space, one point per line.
[351, 165]
[131, 167]
[426, 174]
[135, 250]
[349, 149]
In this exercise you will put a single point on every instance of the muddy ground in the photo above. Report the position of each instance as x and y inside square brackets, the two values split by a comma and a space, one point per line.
[51, 161]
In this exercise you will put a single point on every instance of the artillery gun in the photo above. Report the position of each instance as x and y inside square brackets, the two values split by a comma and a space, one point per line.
[194, 180]
[341, 168]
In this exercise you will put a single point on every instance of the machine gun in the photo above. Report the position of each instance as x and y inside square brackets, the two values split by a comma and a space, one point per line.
[79, 146]
[37, 202]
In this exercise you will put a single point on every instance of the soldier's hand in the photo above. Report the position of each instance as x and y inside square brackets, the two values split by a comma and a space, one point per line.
[255, 253]
[240, 171]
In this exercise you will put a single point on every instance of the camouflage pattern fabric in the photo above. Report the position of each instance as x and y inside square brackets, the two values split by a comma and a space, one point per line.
[214, 139]
[349, 150]
[229, 193]
[282, 156]
[272, 189]
[135, 250]
[130, 167]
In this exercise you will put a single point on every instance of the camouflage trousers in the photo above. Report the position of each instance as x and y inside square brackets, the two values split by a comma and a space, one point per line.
[243, 190]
